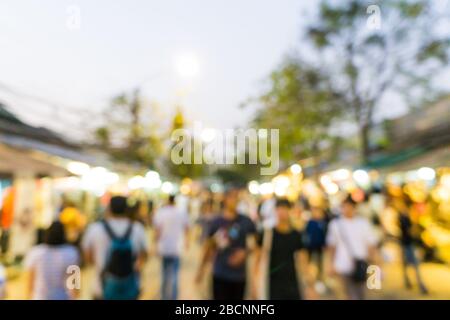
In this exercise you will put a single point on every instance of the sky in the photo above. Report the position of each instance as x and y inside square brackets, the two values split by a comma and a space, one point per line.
[118, 45]
[62, 61]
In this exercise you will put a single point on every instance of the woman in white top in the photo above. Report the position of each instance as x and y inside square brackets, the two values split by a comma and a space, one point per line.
[50, 264]
[351, 239]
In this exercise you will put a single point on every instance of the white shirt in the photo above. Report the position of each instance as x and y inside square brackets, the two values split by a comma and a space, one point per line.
[171, 223]
[98, 242]
[359, 236]
[268, 213]
[50, 265]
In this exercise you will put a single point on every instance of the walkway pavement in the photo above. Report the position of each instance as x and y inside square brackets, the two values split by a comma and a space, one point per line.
[436, 277]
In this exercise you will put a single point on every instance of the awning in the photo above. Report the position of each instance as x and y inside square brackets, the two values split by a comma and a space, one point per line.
[16, 161]
[412, 159]
[26, 143]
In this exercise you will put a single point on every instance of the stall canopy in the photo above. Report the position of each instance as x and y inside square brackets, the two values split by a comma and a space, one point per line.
[36, 149]
[22, 161]
[413, 158]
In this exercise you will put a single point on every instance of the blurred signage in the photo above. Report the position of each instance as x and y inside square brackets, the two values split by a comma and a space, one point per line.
[429, 125]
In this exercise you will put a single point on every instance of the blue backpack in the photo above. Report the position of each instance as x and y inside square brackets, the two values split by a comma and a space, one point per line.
[119, 280]
[315, 234]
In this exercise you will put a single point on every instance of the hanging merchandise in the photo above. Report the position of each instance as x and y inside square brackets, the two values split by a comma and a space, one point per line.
[7, 208]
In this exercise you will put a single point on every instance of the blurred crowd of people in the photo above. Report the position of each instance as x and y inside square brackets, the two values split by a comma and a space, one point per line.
[269, 248]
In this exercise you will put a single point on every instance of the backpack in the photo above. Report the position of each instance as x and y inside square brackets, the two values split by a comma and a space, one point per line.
[119, 280]
[315, 234]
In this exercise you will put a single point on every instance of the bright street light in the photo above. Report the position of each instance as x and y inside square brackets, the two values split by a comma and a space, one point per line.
[296, 169]
[78, 168]
[253, 187]
[266, 188]
[187, 65]
[426, 173]
[167, 187]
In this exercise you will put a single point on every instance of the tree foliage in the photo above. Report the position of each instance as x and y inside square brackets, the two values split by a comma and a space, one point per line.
[183, 170]
[301, 102]
[130, 131]
[366, 60]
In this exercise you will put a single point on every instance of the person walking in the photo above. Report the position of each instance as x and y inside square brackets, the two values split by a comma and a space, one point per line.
[48, 266]
[280, 257]
[315, 233]
[352, 245]
[74, 222]
[117, 247]
[204, 221]
[407, 244]
[171, 225]
[227, 249]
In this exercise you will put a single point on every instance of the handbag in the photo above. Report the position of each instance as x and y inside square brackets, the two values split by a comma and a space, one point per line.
[360, 266]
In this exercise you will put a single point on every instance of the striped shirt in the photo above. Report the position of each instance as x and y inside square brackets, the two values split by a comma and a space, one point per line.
[50, 266]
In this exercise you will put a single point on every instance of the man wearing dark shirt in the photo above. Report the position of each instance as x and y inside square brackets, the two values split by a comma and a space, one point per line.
[283, 249]
[227, 247]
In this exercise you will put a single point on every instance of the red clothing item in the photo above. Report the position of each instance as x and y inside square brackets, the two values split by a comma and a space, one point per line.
[7, 213]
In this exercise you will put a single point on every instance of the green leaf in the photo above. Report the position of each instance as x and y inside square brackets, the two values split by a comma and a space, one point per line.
[436, 49]
[319, 36]
[411, 9]
[375, 40]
